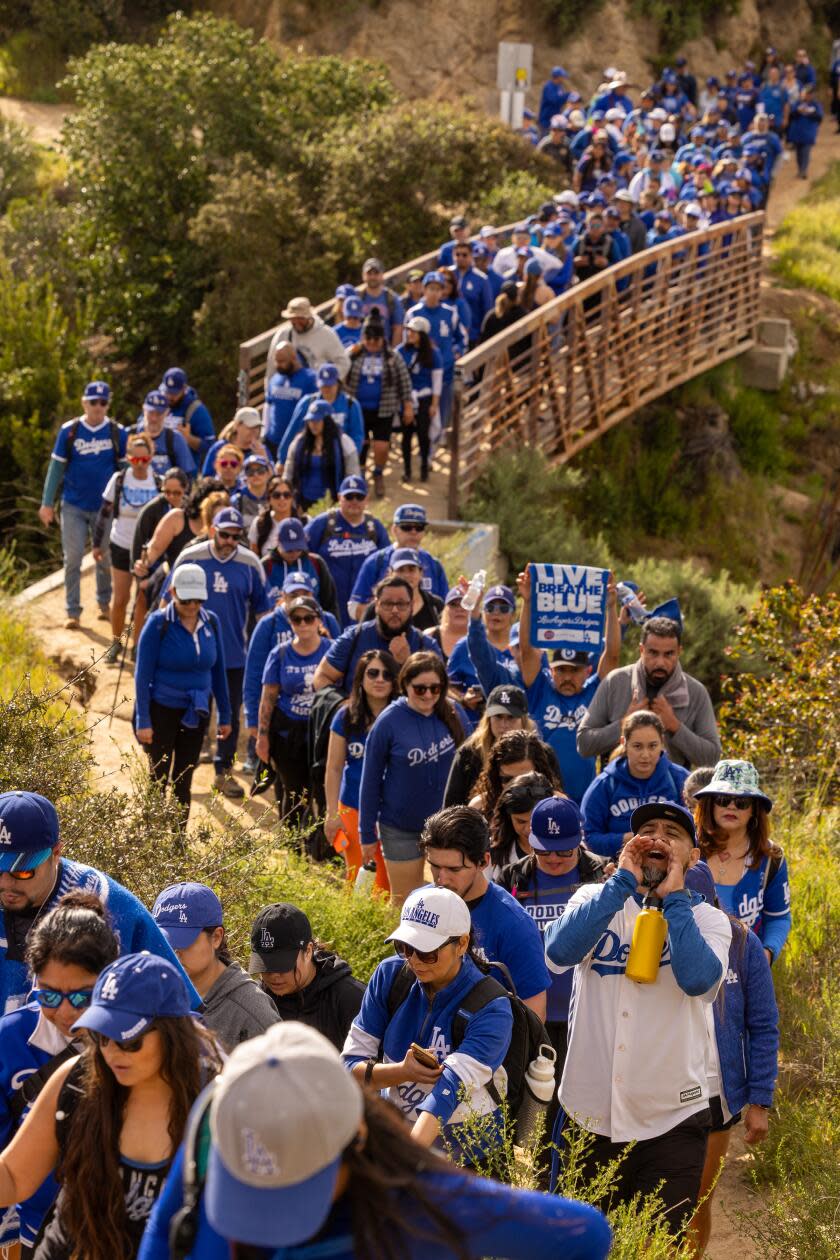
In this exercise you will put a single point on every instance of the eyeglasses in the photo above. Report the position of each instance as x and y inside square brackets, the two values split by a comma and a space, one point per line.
[280, 494]
[412, 529]
[353, 498]
[498, 606]
[223, 533]
[734, 802]
[52, 998]
[423, 955]
[139, 459]
[130, 1047]
[305, 619]
[422, 689]
[372, 672]
[399, 604]
[96, 402]
[230, 463]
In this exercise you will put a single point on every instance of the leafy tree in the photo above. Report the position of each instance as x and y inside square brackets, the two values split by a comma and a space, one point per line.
[18, 163]
[515, 196]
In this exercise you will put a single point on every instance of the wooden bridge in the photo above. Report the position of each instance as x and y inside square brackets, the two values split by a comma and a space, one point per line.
[573, 368]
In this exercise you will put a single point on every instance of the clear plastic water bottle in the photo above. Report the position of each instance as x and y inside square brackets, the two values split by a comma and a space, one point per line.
[473, 591]
[630, 600]
[365, 879]
[539, 1091]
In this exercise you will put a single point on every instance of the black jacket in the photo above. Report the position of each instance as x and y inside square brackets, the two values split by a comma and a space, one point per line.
[518, 878]
[330, 1003]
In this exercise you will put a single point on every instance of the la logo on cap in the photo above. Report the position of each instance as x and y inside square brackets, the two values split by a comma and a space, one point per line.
[505, 697]
[110, 988]
[266, 939]
[256, 1158]
[5, 834]
[553, 828]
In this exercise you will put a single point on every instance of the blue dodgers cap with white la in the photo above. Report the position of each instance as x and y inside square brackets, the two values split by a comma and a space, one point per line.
[353, 307]
[96, 391]
[320, 409]
[433, 277]
[156, 400]
[403, 557]
[228, 518]
[556, 825]
[500, 592]
[557, 72]
[174, 380]
[666, 810]
[345, 291]
[353, 485]
[291, 536]
[132, 993]
[182, 911]
[28, 830]
[410, 514]
[297, 581]
[327, 374]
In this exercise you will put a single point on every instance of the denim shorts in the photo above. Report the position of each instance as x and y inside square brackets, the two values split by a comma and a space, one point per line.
[399, 846]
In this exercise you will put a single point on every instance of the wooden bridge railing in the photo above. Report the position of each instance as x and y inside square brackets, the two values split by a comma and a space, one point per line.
[575, 367]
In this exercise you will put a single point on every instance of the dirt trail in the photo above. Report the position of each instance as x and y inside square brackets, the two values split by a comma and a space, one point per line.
[45, 121]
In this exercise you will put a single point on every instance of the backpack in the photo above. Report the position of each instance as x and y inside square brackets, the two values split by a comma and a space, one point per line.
[114, 434]
[118, 489]
[527, 1035]
[332, 528]
[390, 299]
[324, 707]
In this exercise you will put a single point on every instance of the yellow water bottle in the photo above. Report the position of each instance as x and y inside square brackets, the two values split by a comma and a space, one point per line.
[649, 934]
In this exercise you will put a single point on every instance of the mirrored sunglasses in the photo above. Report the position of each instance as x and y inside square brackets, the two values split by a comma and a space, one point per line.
[52, 998]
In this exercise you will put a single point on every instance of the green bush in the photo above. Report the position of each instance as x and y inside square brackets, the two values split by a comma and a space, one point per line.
[516, 195]
[756, 428]
[18, 163]
[682, 20]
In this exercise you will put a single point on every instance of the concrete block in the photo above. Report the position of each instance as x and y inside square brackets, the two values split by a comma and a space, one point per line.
[774, 332]
[764, 367]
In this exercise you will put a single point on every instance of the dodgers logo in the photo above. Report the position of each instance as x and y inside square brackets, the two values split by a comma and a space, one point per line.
[110, 988]
[266, 939]
[419, 914]
[220, 584]
[355, 750]
[256, 1157]
[609, 957]
[5, 834]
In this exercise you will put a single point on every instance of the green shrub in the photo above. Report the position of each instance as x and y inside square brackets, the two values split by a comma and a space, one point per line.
[682, 20]
[18, 163]
[516, 195]
[756, 428]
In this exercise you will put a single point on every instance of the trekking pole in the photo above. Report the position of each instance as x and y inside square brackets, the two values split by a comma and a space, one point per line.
[127, 633]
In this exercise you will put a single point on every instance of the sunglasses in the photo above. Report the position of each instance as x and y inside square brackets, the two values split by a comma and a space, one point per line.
[376, 673]
[257, 472]
[230, 463]
[234, 537]
[188, 601]
[423, 955]
[422, 689]
[139, 459]
[96, 402]
[22, 875]
[130, 1047]
[280, 494]
[497, 606]
[306, 619]
[52, 998]
[412, 529]
[353, 498]
[734, 802]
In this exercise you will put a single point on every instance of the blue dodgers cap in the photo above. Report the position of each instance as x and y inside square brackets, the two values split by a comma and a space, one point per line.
[328, 373]
[182, 911]
[410, 514]
[402, 557]
[96, 391]
[345, 291]
[480, 250]
[256, 461]
[500, 592]
[291, 536]
[320, 409]
[663, 809]
[556, 825]
[454, 595]
[433, 277]
[353, 307]
[529, 114]
[297, 580]
[557, 72]
[699, 879]
[132, 993]
[533, 267]
[353, 485]
[28, 830]
[174, 380]
[272, 1170]
[228, 518]
[156, 400]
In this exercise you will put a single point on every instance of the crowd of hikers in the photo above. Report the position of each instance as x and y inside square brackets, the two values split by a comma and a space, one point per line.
[590, 897]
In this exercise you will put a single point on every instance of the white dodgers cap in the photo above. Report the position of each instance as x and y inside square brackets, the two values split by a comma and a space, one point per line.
[189, 581]
[430, 916]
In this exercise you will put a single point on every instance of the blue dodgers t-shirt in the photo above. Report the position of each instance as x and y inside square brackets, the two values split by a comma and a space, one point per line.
[379, 562]
[545, 903]
[461, 671]
[282, 396]
[345, 652]
[351, 775]
[89, 461]
[369, 390]
[292, 672]
[558, 718]
[505, 933]
[345, 551]
[380, 303]
[235, 588]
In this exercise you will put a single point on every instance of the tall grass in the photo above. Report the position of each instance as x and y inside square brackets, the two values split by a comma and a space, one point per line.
[807, 243]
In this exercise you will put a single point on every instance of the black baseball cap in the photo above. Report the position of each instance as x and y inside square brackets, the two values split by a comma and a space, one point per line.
[568, 656]
[278, 934]
[663, 809]
[505, 701]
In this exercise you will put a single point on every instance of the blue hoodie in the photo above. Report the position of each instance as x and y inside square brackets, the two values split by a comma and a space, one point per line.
[407, 761]
[346, 412]
[611, 798]
[747, 1026]
[282, 396]
[179, 669]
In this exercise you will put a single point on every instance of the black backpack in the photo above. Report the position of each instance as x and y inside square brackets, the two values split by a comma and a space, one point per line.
[113, 433]
[118, 489]
[325, 704]
[527, 1035]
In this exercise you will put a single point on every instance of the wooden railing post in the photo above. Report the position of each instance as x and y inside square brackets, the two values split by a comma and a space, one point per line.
[455, 444]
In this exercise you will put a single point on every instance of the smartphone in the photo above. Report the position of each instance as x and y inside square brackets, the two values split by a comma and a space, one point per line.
[425, 1057]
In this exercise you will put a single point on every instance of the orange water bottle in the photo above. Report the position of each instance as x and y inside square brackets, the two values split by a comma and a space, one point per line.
[649, 933]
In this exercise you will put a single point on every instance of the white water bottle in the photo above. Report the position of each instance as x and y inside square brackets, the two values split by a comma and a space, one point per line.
[365, 879]
[630, 601]
[471, 594]
[539, 1091]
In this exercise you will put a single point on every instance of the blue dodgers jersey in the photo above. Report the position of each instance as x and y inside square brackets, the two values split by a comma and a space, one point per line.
[90, 466]
[235, 588]
[293, 674]
[505, 933]
[351, 775]
[345, 552]
[752, 903]
[545, 903]
[558, 718]
[282, 397]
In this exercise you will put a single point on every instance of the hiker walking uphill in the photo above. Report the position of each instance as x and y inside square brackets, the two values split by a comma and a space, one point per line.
[87, 452]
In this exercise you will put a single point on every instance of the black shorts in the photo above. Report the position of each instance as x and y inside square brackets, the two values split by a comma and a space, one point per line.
[719, 1125]
[120, 558]
[378, 428]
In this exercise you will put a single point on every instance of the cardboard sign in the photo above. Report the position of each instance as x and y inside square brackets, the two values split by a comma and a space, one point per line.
[568, 606]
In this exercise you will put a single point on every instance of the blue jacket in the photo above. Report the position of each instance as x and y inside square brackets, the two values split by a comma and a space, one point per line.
[135, 927]
[377, 564]
[474, 288]
[236, 589]
[180, 670]
[364, 637]
[747, 1026]
[475, 657]
[611, 798]
[485, 1043]
[406, 765]
[805, 119]
[495, 1220]
[348, 417]
[552, 99]
[761, 903]
[283, 394]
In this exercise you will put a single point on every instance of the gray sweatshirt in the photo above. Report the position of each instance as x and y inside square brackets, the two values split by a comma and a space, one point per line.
[696, 743]
[235, 1008]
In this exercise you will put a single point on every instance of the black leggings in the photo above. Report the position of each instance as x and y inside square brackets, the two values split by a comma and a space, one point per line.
[421, 425]
[174, 747]
[289, 753]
